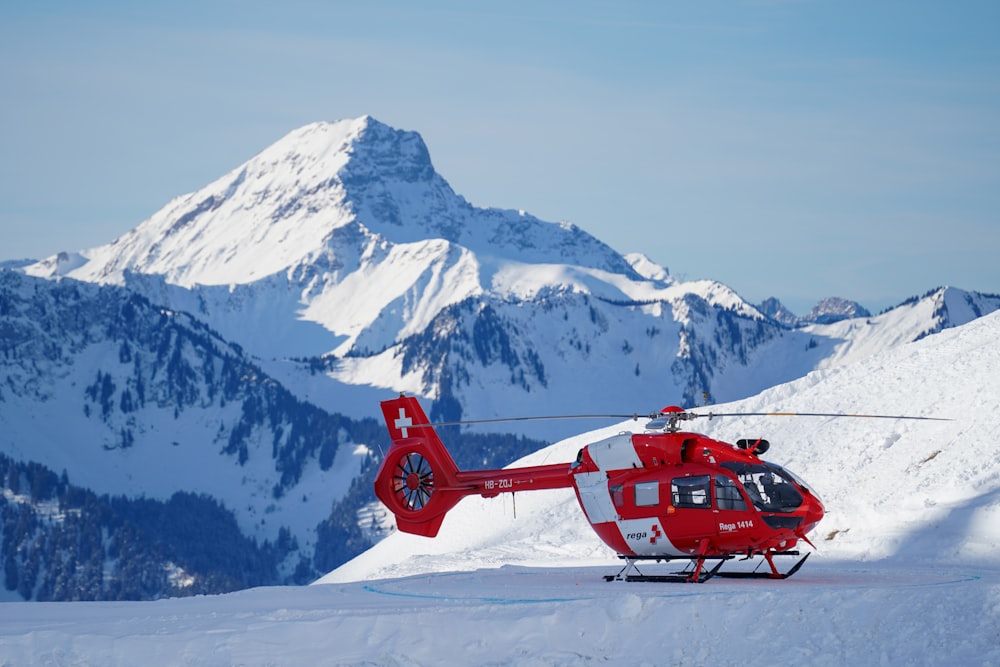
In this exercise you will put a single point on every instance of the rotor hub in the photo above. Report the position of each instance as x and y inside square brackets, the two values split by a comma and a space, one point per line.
[413, 481]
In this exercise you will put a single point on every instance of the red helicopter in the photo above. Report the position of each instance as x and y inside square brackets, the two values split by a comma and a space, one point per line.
[658, 496]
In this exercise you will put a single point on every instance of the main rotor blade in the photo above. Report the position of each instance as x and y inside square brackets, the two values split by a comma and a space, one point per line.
[678, 415]
[712, 415]
[634, 416]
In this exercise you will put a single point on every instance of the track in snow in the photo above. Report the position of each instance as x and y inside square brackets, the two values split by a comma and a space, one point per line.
[527, 585]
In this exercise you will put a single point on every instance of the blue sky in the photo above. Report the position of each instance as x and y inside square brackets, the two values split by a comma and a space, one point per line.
[788, 148]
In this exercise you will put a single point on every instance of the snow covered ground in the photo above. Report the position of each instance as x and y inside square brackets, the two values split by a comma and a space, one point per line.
[907, 570]
[830, 613]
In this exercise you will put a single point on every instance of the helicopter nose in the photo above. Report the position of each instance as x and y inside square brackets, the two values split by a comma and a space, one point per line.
[813, 512]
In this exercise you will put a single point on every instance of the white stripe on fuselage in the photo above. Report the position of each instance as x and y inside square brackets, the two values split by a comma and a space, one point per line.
[645, 537]
[594, 496]
[615, 453]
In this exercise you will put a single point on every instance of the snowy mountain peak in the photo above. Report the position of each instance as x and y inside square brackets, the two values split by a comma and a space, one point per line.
[388, 154]
[773, 308]
[953, 307]
[356, 151]
[649, 269]
[328, 192]
[833, 309]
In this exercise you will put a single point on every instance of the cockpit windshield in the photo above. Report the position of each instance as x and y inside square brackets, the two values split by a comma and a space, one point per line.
[769, 487]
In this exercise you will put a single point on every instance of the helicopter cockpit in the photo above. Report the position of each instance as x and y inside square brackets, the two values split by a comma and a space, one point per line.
[769, 487]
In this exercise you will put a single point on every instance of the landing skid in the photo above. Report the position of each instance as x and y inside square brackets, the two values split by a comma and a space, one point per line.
[768, 575]
[699, 574]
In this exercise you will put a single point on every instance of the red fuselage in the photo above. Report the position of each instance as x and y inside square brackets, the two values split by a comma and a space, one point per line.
[655, 494]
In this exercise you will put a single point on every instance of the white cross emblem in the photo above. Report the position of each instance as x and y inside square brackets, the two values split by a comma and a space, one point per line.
[403, 422]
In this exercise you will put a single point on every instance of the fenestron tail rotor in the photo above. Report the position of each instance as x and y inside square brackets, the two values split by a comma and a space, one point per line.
[413, 481]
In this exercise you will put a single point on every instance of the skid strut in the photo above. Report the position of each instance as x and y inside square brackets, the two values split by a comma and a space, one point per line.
[699, 574]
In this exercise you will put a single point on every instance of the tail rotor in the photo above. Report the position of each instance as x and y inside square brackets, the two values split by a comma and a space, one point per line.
[418, 479]
[413, 482]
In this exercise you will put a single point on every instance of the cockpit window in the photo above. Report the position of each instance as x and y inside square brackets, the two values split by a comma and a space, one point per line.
[727, 494]
[768, 486]
[788, 474]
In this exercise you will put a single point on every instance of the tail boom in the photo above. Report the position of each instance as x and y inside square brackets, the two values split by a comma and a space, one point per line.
[419, 482]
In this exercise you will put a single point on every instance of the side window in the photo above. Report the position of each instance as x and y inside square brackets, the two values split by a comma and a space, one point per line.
[727, 494]
[691, 491]
[647, 494]
[618, 495]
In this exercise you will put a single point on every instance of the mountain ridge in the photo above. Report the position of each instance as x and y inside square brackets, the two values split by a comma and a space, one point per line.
[368, 266]
[294, 198]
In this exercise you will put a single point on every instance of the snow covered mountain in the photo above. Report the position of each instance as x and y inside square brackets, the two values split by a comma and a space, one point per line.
[773, 308]
[826, 311]
[340, 241]
[833, 309]
[340, 250]
[850, 340]
[342, 224]
[327, 187]
[130, 400]
[115, 411]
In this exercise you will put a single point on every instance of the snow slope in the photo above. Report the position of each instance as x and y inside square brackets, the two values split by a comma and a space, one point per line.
[907, 570]
[829, 614]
